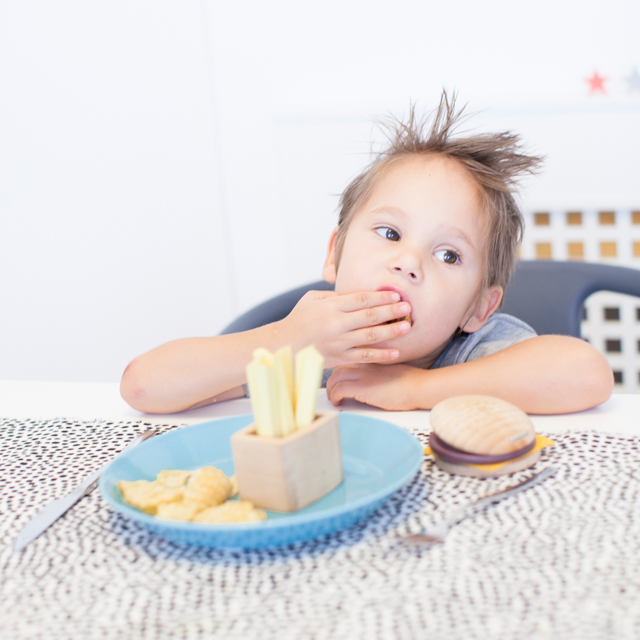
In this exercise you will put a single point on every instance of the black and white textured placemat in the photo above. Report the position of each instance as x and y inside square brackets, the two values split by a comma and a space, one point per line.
[561, 560]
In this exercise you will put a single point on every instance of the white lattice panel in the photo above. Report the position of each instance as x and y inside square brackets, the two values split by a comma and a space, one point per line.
[611, 322]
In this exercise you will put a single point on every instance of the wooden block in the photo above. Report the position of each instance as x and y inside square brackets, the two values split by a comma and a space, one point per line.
[290, 473]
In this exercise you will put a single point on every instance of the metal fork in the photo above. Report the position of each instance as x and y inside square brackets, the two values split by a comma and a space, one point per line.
[437, 532]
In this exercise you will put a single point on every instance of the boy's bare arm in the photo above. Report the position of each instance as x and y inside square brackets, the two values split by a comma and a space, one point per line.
[545, 374]
[190, 372]
[194, 372]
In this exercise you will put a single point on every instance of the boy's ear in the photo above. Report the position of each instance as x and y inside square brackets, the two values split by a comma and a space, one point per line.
[488, 304]
[330, 270]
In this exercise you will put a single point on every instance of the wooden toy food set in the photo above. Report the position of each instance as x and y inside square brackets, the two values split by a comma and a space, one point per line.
[289, 457]
[482, 436]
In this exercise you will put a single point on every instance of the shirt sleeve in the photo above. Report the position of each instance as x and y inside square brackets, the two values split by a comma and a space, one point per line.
[500, 331]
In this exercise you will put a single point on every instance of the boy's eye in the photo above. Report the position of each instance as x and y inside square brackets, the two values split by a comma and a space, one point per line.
[447, 256]
[388, 233]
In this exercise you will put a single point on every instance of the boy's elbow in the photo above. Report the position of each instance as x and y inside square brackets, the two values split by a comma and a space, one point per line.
[132, 388]
[589, 376]
[599, 379]
[580, 378]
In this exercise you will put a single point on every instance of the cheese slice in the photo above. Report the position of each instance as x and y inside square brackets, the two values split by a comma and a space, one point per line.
[541, 443]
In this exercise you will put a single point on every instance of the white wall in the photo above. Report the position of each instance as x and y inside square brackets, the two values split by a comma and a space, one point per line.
[166, 165]
[110, 193]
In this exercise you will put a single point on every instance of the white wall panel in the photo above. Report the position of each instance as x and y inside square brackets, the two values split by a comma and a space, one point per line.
[112, 234]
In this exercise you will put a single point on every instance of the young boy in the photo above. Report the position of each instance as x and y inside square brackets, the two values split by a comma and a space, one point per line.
[423, 251]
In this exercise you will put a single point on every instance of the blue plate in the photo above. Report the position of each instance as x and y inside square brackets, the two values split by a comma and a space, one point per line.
[379, 458]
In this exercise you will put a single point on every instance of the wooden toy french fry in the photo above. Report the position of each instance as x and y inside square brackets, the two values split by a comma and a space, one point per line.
[286, 357]
[263, 356]
[283, 372]
[290, 472]
[279, 405]
[300, 358]
[262, 390]
[309, 369]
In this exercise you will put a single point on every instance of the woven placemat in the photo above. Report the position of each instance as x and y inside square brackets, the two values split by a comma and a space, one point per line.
[561, 560]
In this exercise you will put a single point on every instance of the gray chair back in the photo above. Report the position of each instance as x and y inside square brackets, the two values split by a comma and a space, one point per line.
[549, 295]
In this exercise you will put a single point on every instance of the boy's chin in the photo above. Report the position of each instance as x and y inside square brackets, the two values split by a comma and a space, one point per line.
[425, 362]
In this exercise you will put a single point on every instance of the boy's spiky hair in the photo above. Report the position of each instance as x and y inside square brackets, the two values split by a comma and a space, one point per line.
[495, 161]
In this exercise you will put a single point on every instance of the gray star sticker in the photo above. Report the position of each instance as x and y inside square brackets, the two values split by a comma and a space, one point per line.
[633, 81]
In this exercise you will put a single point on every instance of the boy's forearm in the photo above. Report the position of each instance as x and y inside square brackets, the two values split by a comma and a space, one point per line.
[546, 374]
[192, 372]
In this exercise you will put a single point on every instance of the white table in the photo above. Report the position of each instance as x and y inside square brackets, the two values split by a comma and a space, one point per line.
[90, 401]
[559, 561]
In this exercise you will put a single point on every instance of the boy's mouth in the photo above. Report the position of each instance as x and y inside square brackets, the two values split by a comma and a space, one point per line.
[408, 318]
[403, 296]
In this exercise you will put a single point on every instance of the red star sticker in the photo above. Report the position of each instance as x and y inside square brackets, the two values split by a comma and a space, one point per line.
[596, 83]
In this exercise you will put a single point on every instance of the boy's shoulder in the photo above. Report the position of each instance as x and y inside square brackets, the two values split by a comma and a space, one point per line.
[499, 332]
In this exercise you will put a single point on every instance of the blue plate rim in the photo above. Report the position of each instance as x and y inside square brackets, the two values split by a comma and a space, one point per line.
[283, 522]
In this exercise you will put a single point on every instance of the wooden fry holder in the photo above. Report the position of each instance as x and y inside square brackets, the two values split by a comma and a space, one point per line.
[289, 473]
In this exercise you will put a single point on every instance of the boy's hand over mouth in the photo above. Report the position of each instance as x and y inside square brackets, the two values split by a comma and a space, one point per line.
[389, 387]
[345, 328]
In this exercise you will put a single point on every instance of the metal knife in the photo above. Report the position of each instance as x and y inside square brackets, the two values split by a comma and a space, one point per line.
[49, 514]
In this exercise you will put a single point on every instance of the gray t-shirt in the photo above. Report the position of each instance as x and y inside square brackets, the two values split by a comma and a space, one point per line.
[500, 331]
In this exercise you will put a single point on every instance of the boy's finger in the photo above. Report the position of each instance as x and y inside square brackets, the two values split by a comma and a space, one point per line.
[374, 316]
[368, 356]
[315, 294]
[367, 299]
[341, 372]
[378, 333]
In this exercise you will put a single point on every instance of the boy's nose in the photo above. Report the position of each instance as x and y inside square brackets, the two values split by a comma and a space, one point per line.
[411, 274]
[408, 266]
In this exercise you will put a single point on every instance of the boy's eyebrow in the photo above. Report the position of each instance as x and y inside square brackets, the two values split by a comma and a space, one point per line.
[454, 230]
[385, 209]
[462, 235]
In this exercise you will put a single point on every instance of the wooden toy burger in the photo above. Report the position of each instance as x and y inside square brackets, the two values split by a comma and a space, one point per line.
[483, 437]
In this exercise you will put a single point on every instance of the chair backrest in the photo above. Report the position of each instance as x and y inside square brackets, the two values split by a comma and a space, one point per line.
[273, 309]
[548, 295]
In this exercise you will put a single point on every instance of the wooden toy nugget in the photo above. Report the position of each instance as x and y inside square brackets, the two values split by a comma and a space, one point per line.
[187, 495]
[231, 511]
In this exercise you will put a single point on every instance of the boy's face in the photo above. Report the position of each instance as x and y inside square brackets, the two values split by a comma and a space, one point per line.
[421, 233]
